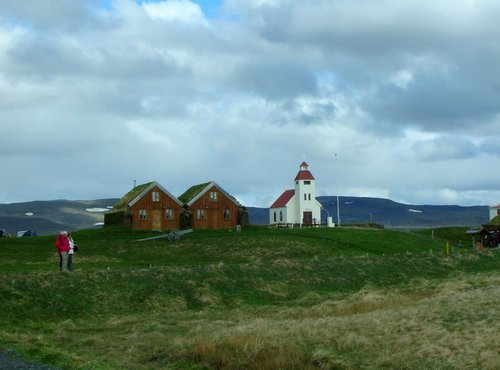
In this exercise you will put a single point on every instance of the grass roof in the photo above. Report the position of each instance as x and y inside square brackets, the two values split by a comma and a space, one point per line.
[192, 192]
[495, 221]
[122, 204]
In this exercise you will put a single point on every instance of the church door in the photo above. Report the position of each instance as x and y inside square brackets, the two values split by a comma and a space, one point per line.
[307, 218]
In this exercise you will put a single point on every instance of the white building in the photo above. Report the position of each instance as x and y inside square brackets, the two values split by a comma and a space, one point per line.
[298, 206]
[494, 211]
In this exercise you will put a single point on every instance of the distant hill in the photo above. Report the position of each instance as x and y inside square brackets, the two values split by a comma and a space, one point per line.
[354, 210]
[49, 217]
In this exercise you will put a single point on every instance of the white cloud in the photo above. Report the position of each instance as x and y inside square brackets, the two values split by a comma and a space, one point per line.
[175, 10]
[158, 91]
[401, 78]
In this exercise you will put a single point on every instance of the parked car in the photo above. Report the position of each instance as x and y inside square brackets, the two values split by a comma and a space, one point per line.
[2, 233]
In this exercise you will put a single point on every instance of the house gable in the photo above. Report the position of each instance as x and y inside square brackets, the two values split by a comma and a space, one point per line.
[148, 189]
[123, 203]
[192, 192]
[197, 191]
[151, 206]
[211, 206]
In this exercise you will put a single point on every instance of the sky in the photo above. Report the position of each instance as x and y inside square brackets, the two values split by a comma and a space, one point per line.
[390, 99]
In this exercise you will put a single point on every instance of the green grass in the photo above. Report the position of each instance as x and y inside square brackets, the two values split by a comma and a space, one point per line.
[263, 298]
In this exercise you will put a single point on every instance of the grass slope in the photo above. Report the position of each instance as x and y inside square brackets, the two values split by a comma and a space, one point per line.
[260, 299]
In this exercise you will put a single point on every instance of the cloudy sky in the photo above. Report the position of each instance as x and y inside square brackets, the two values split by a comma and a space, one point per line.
[95, 94]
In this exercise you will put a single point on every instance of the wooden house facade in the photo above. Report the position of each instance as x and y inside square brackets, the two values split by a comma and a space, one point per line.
[151, 206]
[211, 207]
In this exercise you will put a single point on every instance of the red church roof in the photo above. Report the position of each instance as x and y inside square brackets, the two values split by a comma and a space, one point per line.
[284, 198]
[304, 173]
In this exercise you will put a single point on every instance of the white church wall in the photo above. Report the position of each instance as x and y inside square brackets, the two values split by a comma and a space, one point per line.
[281, 216]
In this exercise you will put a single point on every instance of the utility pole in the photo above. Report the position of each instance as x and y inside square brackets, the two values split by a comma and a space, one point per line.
[338, 205]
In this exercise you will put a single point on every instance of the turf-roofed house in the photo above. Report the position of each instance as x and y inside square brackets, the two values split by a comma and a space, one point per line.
[211, 207]
[147, 206]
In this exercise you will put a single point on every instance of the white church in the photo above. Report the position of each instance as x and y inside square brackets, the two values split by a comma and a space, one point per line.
[298, 206]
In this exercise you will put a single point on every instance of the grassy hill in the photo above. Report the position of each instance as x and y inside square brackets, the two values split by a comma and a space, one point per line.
[48, 217]
[259, 299]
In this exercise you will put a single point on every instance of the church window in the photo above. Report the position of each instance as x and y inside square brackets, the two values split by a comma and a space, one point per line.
[309, 196]
[281, 216]
[274, 216]
[305, 196]
[307, 182]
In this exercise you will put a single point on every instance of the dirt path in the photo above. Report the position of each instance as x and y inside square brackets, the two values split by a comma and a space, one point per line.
[10, 360]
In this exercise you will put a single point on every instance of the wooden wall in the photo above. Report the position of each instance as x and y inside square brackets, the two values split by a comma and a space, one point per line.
[214, 211]
[156, 212]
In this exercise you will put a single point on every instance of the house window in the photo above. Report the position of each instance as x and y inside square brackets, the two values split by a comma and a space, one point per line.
[143, 215]
[201, 214]
[274, 216]
[281, 216]
[169, 214]
[227, 214]
[213, 195]
[307, 182]
[156, 196]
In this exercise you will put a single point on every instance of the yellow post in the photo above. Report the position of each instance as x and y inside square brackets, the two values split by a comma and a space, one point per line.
[447, 248]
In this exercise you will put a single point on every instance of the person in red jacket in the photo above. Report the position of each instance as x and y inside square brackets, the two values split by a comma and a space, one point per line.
[62, 245]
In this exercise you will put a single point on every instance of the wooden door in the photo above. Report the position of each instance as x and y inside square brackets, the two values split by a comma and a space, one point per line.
[156, 219]
[213, 219]
[307, 219]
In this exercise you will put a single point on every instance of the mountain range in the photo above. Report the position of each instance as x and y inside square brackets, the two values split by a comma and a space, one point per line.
[49, 217]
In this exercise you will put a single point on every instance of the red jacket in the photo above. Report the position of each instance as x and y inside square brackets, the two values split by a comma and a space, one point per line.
[62, 244]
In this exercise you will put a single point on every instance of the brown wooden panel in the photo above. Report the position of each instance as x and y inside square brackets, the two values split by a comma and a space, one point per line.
[214, 211]
[156, 218]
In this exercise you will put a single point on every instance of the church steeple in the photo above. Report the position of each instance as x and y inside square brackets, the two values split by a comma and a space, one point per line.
[304, 173]
[305, 194]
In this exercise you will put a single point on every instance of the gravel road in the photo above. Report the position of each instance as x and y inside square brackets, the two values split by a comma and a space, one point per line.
[10, 360]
